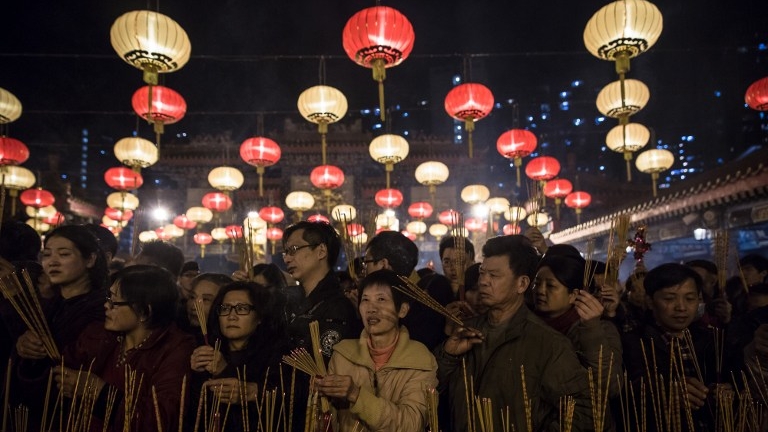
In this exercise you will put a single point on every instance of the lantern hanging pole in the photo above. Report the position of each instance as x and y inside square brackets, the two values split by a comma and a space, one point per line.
[469, 124]
[260, 172]
[380, 74]
[654, 176]
[518, 163]
[323, 129]
[557, 208]
[627, 154]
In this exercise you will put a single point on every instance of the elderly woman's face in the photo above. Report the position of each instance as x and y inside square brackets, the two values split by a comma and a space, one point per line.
[377, 310]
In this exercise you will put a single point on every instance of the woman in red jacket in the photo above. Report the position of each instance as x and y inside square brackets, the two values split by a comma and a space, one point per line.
[139, 332]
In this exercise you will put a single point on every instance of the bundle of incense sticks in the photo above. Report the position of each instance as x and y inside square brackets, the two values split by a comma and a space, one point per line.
[216, 351]
[23, 297]
[616, 248]
[131, 395]
[589, 265]
[21, 418]
[348, 243]
[317, 353]
[459, 250]
[412, 290]
[484, 409]
[526, 402]
[599, 392]
[248, 254]
[202, 319]
[431, 395]
[302, 360]
[566, 409]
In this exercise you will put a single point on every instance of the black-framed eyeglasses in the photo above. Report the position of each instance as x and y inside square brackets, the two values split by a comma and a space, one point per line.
[291, 250]
[113, 304]
[240, 309]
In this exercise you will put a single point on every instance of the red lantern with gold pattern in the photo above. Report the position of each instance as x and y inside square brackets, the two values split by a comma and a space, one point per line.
[558, 189]
[420, 210]
[159, 105]
[234, 231]
[542, 168]
[217, 201]
[511, 229]
[37, 198]
[123, 178]
[54, 220]
[355, 229]
[475, 224]
[411, 236]
[578, 200]
[318, 218]
[163, 235]
[274, 234]
[448, 217]
[202, 239]
[118, 215]
[272, 214]
[516, 144]
[260, 152]
[378, 37]
[469, 103]
[388, 198]
[757, 95]
[183, 222]
[12, 151]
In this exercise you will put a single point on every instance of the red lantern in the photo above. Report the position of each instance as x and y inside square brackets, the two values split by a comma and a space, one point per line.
[511, 229]
[272, 215]
[274, 234]
[167, 106]
[123, 178]
[318, 218]
[448, 217]
[475, 225]
[542, 168]
[163, 235]
[578, 200]
[183, 222]
[382, 229]
[260, 152]
[56, 219]
[411, 236]
[378, 37]
[203, 239]
[389, 198]
[37, 198]
[557, 189]
[757, 95]
[217, 201]
[12, 151]
[327, 177]
[234, 231]
[355, 229]
[469, 102]
[420, 210]
[118, 215]
[516, 144]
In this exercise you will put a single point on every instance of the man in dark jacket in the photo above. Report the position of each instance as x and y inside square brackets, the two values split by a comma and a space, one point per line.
[310, 250]
[509, 343]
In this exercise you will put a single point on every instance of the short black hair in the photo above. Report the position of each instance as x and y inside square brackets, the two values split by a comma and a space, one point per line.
[272, 273]
[567, 269]
[151, 291]
[523, 257]
[218, 279]
[759, 262]
[399, 250]
[318, 233]
[19, 242]
[471, 277]
[706, 265]
[269, 303]
[162, 254]
[388, 278]
[563, 249]
[449, 242]
[107, 240]
[88, 244]
[668, 275]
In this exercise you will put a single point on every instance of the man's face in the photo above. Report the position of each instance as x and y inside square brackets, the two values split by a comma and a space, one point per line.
[185, 281]
[674, 308]
[371, 265]
[452, 257]
[498, 286]
[301, 258]
[752, 276]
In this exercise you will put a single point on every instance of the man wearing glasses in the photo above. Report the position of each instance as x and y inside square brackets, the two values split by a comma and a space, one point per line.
[310, 250]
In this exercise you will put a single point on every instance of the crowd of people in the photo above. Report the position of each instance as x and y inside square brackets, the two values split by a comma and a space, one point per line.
[530, 337]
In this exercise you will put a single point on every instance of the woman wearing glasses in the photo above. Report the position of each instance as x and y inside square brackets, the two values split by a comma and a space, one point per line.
[139, 332]
[247, 318]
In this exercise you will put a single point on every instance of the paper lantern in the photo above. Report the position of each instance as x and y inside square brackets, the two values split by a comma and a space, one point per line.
[147, 236]
[623, 98]
[578, 200]
[203, 239]
[123, 201]
[159, 105]
[216, 201]
[123, 179]
[199, 215]
[757, 95]
[475, 194]
[516, 144]
[226, 178]
[511, 229]
[416, 227]
[37, 198]
[538, 219]
[41, 212]
[272, 214]
[475, 224]
[542, 168]
[343, 212]
[420, 210]
[355, 229]
[183, 222]
[469, 103]
[12, 151]
[327, 177]
[515, 214]
[378, 37]
[653, 162]
[150, 41]
[219, 234]
[318, 218]
[56, 219]
[449, 217]
[622, 30]
[10, 107]
[431, 174]
[558, 189]
[260, 152]
[322, 105]
[118, 215]
[234, 231]
[136, 152]
[438, 230]
[409, 235]
[388, 198]
[109, 222]
[627, 139]
[254, 221]
[299, 201]
[497, 205]
[38, 225]
[274, 234]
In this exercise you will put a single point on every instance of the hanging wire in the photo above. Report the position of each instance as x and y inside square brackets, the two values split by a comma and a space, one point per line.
[321, 71]
[515, 115]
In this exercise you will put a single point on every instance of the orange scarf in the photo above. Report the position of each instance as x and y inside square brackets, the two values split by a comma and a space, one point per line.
[381, 356]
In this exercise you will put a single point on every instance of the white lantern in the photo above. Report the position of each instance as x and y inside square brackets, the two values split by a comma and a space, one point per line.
[344, 212]
[123, 201]
[225, 178]
[136, 152]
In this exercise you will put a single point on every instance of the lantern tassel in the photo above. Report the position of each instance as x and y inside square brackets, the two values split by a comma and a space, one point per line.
[323, 146]
[469, 124]
[260, 171]
[654, 176]
[557, 208]
[628, 157]
[518, 164]
[202, 251]
[380, 74]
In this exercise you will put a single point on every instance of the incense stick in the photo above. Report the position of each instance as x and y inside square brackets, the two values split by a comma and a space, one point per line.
[412, 290]
[202, 319]
[23, 298]
[7, 388]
